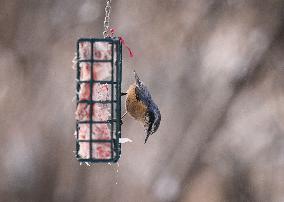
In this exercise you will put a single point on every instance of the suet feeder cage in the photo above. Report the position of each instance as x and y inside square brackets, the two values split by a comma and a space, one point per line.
[98, 99]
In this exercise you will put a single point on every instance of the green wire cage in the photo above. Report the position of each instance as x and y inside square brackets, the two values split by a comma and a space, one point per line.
[98, 99]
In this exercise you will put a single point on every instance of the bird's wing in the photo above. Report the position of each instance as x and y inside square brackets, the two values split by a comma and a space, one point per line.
[141, 91]
[142, 94]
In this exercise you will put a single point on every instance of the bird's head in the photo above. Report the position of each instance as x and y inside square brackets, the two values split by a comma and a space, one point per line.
[152, 120]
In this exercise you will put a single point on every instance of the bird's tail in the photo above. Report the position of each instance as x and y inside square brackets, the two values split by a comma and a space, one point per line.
[137, 80]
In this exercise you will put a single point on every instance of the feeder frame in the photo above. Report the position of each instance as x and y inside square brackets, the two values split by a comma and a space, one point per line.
[115, 121]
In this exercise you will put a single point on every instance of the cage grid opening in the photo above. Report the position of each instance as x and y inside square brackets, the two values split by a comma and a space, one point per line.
[98, 107]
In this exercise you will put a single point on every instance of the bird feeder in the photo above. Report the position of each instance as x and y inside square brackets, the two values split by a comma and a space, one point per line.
[98, 99]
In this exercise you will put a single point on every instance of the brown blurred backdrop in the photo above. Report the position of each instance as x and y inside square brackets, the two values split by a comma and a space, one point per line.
[214, 67]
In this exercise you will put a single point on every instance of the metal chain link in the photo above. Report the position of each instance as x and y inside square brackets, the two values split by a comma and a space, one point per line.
[107, 19]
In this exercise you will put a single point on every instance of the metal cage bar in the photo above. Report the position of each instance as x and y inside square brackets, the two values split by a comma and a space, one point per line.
[115, 101]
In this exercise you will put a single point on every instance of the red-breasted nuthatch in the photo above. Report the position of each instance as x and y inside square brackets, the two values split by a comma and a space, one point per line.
[141, 107]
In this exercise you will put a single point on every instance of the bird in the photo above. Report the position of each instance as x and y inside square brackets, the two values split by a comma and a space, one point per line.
[140, 105]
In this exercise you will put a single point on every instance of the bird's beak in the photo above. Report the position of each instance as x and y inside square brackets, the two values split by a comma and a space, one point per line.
[148, 134]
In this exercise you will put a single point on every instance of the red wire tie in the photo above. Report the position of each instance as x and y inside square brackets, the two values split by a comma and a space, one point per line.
[122, 41]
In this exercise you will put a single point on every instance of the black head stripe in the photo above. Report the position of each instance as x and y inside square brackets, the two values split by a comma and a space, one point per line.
[151, 116]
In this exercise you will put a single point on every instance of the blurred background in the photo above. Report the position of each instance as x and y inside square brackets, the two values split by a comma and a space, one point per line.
[214, 67]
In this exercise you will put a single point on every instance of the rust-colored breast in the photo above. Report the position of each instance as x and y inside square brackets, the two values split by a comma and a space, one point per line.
[134, 107]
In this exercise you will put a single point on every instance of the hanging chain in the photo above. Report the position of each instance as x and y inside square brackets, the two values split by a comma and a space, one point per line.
[107, 19]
